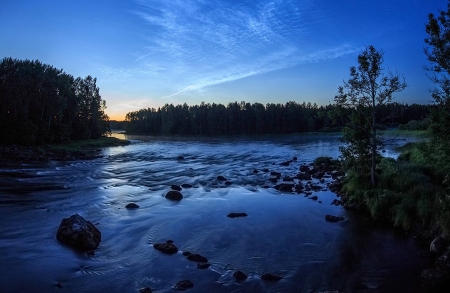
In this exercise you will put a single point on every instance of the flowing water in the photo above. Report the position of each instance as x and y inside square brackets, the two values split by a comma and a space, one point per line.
[284, 233]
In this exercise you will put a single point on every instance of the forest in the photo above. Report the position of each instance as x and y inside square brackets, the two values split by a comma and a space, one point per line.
[42, 104]
[247, 118]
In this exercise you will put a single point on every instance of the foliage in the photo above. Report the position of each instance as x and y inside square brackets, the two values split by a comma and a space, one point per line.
[367, 90]
[89, 144]
[42, 104]
[416, 125]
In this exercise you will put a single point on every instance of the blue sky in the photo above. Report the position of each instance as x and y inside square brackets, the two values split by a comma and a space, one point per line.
[146, 53]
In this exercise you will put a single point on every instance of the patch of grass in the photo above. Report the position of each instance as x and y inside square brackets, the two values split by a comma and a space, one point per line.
[90, 144]
[406, 133]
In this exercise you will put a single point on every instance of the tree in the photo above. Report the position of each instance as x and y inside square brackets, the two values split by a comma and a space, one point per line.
[367, 90]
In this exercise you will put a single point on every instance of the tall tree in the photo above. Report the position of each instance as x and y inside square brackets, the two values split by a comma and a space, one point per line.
[367, 90]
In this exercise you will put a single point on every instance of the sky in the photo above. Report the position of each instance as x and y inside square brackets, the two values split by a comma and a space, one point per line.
[146, 53]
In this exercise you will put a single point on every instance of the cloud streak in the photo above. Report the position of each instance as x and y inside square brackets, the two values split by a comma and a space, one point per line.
[198, 43]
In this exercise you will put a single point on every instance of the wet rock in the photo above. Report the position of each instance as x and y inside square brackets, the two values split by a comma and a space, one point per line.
[184, 285]
[176, 187]
[273, 180]
[315, 187]
[203, 265]
[228, 183]
[265, 170]
[318, 175]
[255, 171]
[288, 178]
[221, 178]
[236, 215]
[284, 187]
[180, 157]
[169, 241]
[58, 285]
[303, 176]
[270, 277]
[336, 202]
[314, 197]
[168, 248]
[186, 185]
[132, 206]
[304, 168]
[186, 253]
[197, 257]
[335, 186]
[145, 290]
[285, 163]
[275, 174]
[239, 276]
[79, 233]
[438, 245]
[174, 195]
[294, 159]
[298, 188]
[330, 218]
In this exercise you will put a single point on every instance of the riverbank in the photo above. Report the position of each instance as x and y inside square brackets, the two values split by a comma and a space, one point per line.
[76, 150]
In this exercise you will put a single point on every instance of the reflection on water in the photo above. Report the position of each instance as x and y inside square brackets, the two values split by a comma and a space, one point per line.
[285, 234]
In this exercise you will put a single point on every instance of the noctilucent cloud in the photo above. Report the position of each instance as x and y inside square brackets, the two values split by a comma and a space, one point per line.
[146, 53]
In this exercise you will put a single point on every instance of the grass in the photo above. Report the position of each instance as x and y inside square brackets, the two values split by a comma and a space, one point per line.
[405, 133]
[90, 144]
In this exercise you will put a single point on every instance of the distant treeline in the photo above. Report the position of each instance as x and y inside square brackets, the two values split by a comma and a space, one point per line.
[246, 118]
[42, 104]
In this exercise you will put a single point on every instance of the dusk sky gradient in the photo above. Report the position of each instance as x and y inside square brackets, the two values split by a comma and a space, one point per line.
[146, 53]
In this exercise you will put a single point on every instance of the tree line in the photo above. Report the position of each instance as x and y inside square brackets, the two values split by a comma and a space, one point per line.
[254, 118]
[42, 104]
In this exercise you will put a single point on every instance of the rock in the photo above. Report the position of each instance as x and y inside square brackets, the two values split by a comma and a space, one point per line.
[318, 175]
[336, 202]
[304, 168]
[255, 171]
[180, 157]
[294, 159]
[273, 180]
[270, 277]
[236, 215]
[169, 241]
[184, 285]
[168, 248]
[197, 257]
[228, 183]
[186, 253]
[275, 174]
[288, 178]
[58, 285]
[176, 187]
[285, 163]
[330, 218]
[265, 170]
[335, 186]
[132, 206]
[314, 197]
[203, 265]
[303, 176]
[239, 276]
[221, 178]
[145, 290]
[174, 195]
[437, 246]
[285, 187]
[79, 233]
[435, 280]
[186, 185]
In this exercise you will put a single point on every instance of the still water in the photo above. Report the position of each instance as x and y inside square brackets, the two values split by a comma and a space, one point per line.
[284, 233]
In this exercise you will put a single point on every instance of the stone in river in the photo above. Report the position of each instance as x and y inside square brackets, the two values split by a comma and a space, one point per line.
[196, 257]
[221, 178]
[174, 195]
[145, 290]
[184, 285]
[330, 218]
[239, 276]
[168, 248]
[79, 233]
[203, 265]
[236, 215]
[186, 185]
[132, 206]
[176, 187]
[270, 277]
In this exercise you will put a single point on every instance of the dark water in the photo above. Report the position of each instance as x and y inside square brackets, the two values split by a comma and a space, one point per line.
[285, 234]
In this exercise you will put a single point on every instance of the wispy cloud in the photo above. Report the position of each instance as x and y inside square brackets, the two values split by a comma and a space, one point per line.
[199, 43]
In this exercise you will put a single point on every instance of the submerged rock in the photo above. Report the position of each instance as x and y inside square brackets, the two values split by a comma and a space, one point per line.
[285, 187]
[132, 206]
[221, 178]
[314, 197]
[239, 276]
[203, 265]
[236, 215]
[276, 174]
[186, 185]
[176, 187]
[270, 277]
[186, 253]
[167, 247]
[197, 257]
[174, 195]
[145, 290]
[79, 233]
[184, 285]
[330, 218]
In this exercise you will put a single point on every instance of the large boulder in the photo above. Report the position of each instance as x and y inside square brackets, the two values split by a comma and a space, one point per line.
[168, 247]
[196, 257]
[437, 246]
[184, 285]
[79, 233]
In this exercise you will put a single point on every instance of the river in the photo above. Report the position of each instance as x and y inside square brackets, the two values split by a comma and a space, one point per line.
[284, 233]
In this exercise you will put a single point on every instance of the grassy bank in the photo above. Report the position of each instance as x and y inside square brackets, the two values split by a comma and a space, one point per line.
[411, 192]
[90, 144]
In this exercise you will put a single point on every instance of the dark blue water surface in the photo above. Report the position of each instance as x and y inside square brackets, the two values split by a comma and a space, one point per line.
[284, 233]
